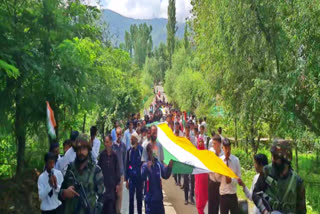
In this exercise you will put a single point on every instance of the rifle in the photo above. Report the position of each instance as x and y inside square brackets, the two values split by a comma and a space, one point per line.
[83, 196]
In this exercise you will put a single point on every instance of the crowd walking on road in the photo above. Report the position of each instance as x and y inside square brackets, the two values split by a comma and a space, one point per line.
[87, 179]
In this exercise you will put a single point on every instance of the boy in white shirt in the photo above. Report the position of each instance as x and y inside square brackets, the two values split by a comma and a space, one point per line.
[228, 186]
[49, 184]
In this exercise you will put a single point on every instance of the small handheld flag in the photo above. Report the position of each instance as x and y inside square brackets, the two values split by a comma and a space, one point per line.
[51, 122]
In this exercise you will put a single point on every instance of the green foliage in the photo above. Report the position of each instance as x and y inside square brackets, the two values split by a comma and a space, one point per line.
[138, 42]
[54, 51]
[171, 29]
[10, 70]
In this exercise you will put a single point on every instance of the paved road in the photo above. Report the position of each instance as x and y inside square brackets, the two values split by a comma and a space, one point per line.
[176, 196]
[173, 200]
[169, 209]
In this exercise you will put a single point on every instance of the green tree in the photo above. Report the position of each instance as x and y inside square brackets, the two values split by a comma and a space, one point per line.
[139, 43]
[171, 29]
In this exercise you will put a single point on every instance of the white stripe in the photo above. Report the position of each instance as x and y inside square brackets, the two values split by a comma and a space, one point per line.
[50, 124]
[182, 155]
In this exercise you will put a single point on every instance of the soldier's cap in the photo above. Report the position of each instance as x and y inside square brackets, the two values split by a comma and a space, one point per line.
[226, 142]
[83, 141]
[282, 148]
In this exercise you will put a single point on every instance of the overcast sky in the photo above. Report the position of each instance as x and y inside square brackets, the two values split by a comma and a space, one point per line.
[147, 9]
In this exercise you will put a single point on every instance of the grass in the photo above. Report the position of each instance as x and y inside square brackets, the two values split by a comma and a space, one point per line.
[309, 171]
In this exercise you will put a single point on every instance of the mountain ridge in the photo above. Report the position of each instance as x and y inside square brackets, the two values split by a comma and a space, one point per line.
[118, 24]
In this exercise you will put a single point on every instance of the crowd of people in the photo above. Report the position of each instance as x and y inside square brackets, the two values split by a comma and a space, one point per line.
[87, 180]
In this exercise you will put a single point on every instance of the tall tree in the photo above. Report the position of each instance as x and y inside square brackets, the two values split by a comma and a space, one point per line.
[171, 29]
[138, 42]
[185, 37]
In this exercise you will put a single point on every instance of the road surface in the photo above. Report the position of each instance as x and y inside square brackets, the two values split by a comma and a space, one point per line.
[173, 200]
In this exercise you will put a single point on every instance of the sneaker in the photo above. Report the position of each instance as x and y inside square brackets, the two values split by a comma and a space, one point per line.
[185, 202]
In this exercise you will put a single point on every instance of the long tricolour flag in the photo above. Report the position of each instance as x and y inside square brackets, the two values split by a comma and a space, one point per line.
[51, 122]
[187, 158]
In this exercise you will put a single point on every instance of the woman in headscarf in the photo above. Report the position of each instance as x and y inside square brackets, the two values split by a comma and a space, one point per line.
[201, 184]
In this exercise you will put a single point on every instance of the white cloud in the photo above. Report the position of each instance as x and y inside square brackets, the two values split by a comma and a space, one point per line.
[147, 9]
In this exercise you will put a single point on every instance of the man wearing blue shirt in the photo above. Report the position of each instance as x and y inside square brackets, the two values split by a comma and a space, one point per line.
[151, 172]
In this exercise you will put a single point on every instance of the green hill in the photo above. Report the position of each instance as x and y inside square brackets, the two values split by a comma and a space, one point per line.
[118, 24]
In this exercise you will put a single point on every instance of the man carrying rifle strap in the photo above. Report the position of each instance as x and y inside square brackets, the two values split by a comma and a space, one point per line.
[83, 186]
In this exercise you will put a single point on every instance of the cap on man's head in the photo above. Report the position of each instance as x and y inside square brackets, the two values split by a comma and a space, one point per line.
[226, 142]
[135, 134]
[83, 141]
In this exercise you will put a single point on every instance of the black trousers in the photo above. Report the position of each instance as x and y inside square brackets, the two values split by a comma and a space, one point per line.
[229, 203]
[55, 211]
[109, 207]
[177, 178]
[188, 186]
[213, 197]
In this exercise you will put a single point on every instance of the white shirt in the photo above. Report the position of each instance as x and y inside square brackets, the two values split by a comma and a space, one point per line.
[180, 133]
[210, 146]
[234, 165]
[214, 176]
[95, 149]
[49, 203]
[63, 162]
[249, 193]
[59, 165]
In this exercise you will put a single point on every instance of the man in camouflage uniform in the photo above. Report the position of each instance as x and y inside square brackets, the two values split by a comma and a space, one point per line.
[85, 172]
[279, 188]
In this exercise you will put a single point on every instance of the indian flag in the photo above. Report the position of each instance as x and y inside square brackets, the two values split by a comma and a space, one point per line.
[187, 158]
[51, 122]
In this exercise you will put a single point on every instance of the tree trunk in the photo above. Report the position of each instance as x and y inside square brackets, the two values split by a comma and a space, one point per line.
[20, 134]
[257, 145]
[297, 158]
[246, 145]
[235, 132]
[84, 122]
[103, 131]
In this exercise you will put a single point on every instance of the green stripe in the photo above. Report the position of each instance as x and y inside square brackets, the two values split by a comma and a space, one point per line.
[178, 167]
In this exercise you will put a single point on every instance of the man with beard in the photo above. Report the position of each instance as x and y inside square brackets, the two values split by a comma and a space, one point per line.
[156, 146]
[85, 172]
[279, 188]
[151, 172]
[133, 173]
